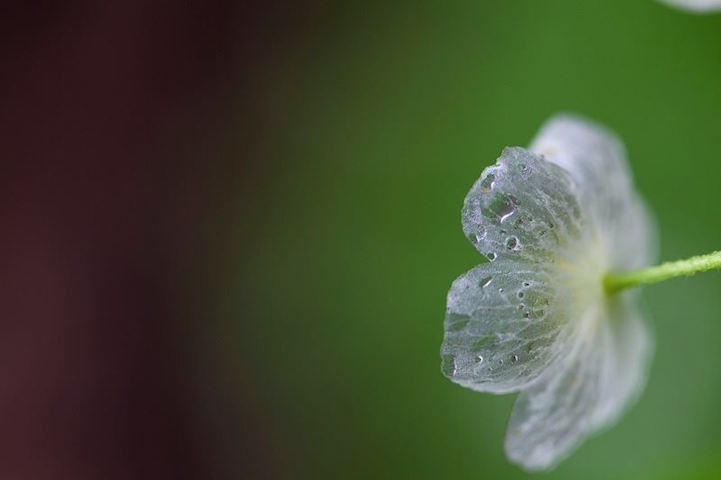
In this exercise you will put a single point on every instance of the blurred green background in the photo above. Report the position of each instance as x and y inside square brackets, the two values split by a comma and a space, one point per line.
[369, 124]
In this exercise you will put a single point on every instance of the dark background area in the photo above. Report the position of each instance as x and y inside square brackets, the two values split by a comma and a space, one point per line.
[227, 230]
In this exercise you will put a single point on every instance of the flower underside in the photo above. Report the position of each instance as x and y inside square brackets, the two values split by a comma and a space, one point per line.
[552, 220]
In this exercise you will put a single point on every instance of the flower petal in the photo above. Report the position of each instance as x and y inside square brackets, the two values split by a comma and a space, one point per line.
[522, 208]
[509, 320]
[596, 160]
[505, 323]
[584, 393]
[699, 6]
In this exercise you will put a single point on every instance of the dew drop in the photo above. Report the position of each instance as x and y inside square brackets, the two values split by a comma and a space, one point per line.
[521, 306]
[479, 359]
[526, 315]
[511, 243]
[507, 213]
[551, 225]
[473, 238]
[499, 207]
[485, 281]
[520, 294]
[487, 183]
[491, 256]
[500, 290]
[526, 284]
[500, 362]
[514, 358]
[448, 365]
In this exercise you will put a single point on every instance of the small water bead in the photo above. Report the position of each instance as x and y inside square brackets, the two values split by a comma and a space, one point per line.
[485, 281]
[521, 306]
[526, 315]
[500, 362]
[526, 284]
[514, 358]
[479, 359]
[499, 206]
[500, 290]
[491, 256]
[488, 183]
[505, 216]
[520, 294]
[511, 243]
[508, 213]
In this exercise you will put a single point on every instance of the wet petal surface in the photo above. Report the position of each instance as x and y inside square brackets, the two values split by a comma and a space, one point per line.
[501, 329]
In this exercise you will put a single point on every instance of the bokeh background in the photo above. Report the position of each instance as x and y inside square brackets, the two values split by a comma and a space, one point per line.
[228, 229]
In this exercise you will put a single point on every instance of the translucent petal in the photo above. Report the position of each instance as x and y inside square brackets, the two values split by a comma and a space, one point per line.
[552, 220]
[699, 6]
[505, 323]
[602, 375]
[595, 158]
[522, 208]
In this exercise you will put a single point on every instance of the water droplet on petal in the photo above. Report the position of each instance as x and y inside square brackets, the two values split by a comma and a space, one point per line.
[491, 256]
[479, 359]
[520, 294]
[500, 290]
[487, 183]
[485, 281]
[500, 207]
[507, 214]
[526, 284]
[514, 358]
[511, 243]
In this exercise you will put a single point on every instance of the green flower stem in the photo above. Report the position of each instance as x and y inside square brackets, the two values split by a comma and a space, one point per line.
[615, 282]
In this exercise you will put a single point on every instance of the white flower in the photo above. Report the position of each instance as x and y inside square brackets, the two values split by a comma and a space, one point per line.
[552, 220]
[699, 6]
